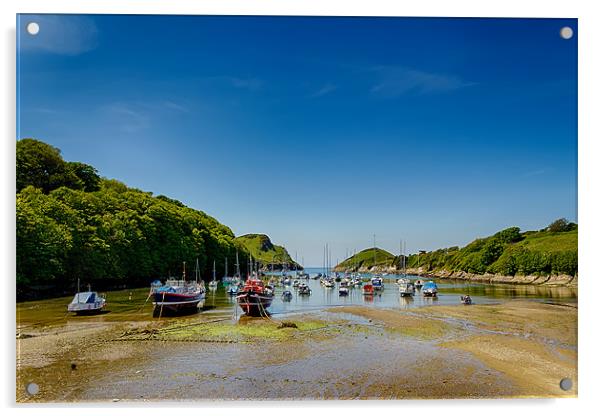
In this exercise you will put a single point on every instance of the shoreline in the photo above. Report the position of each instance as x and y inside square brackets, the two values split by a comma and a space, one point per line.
[532, 280]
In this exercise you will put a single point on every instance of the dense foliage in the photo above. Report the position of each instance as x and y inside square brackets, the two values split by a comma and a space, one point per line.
[552, 250]
[267, 254]
[73, 224]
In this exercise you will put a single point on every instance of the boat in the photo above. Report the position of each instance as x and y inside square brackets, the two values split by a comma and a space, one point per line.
[343, 291]
[329, 283]
[232, 289]
[418, 283]
[406, 289]
[178, 295]
[344, 283]
[213, 283]
[304, 289]
[368, 290]
[86, 302]
[377, 283]
[296, 283]
[287, 296]
[429, 289]
[226, 279]
[254, 298]
[466, 300]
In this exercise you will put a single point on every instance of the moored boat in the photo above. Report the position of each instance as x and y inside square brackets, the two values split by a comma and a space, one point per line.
[406, 289]
[377, 283]
[287, 296]
[254, 298]
[304, 289]
[418, 284]
[368, 289]
[178, 296]
[466, 300]
[429, 289]
[343, 291]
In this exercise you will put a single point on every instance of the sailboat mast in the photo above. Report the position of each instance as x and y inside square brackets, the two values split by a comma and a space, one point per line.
[214, 270]
[184, 270]
[237, 265]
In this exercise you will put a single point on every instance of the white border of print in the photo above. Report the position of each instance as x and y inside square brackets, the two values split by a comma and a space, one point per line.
[590, 133]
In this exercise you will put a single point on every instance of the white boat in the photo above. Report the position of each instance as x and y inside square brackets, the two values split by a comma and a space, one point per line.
[343, 291]
[213, 283]
[406, 289]
[86, 303]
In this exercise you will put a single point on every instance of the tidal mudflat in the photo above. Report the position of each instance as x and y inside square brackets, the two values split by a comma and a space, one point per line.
[508, 349]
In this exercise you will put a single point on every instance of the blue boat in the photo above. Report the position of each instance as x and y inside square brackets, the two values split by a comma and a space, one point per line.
[178, 296]
[429, 289]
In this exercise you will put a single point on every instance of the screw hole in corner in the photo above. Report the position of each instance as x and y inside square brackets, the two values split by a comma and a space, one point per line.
[32, 389]
[566, 384]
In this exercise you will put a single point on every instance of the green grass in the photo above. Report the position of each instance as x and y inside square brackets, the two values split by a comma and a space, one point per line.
[550, 242]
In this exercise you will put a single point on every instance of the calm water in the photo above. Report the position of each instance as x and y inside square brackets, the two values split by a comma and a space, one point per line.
[134, 304]
[449, 294]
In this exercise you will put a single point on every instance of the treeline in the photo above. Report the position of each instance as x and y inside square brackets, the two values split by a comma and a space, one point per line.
[72, 223]
[552, 250]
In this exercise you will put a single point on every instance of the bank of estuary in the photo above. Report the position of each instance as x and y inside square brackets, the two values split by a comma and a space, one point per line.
[545, 257]
[511, 349]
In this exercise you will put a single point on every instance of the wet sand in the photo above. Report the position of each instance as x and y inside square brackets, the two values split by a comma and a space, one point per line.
[512, 349]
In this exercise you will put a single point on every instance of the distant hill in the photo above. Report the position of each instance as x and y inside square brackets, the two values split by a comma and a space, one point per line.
[366, 259]
[262, 249]
[551, 251]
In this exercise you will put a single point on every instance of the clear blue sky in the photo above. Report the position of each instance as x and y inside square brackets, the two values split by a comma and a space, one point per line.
[316, 130]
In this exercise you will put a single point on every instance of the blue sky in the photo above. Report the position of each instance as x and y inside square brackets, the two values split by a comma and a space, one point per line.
[316, 130]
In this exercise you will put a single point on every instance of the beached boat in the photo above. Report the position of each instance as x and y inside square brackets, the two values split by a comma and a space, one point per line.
[86, 303]
[178, 296]
[429, 289]
[254, 298]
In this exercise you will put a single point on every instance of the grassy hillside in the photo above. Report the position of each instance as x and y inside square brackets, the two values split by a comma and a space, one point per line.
[261, 248]
[365, 259]
[509, 252]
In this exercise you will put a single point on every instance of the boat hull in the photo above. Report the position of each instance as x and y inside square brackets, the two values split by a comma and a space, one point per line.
[254, 304]
[176, 303]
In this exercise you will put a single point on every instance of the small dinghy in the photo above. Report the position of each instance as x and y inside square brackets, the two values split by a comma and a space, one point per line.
[418, 283]
[368, 290]
[343, 291]
[287, 296]
[466, 300]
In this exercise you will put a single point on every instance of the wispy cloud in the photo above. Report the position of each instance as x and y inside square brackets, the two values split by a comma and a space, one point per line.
[394, 81]
[59, 34]
[175, 106]
[326, 89]
[246, 83]
[128, 117]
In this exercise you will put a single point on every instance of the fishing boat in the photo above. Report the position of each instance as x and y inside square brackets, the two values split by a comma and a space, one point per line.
[178, 296]
[368, 290]
[304, 289]
[86, 302]
[287, 296]
[254, 298]
[429, 289]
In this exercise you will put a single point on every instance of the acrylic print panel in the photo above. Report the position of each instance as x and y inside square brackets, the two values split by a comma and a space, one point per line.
[220, 207]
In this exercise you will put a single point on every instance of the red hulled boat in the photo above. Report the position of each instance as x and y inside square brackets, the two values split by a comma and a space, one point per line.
[254, 298]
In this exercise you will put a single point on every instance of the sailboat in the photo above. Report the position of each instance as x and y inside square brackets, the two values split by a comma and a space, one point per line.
[406, 287]
[213, 283]
[178, 296]
[376, 280]
[86, 302]
[234, 281]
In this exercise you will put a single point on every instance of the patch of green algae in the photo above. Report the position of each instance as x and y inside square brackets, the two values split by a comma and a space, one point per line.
[236, 332]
